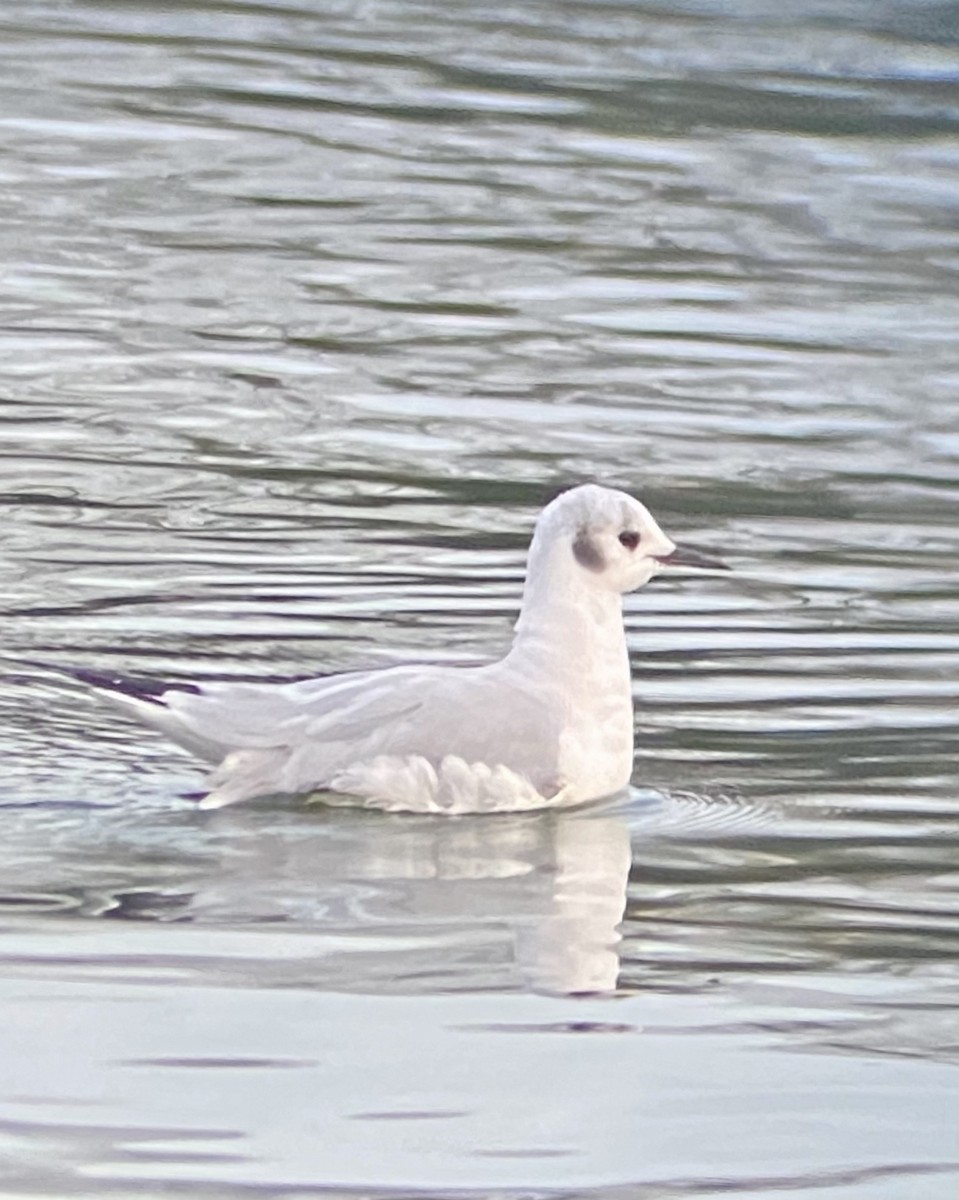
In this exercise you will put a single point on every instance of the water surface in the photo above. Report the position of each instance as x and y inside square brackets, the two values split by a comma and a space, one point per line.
[305, 310]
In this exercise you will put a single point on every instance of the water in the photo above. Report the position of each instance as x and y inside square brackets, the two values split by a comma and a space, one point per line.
[306, 309]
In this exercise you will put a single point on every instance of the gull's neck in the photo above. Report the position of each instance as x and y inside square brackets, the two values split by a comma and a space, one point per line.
[568, 627]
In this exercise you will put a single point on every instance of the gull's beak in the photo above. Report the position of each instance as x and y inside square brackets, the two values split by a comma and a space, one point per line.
[685, 556]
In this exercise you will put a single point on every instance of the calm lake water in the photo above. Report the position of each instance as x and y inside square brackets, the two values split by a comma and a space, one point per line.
[305, 309]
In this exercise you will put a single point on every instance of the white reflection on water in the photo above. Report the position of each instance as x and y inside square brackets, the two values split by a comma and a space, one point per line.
[405, 903]
[285, 997]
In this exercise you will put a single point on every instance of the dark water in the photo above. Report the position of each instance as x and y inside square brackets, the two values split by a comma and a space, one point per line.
[305, 310]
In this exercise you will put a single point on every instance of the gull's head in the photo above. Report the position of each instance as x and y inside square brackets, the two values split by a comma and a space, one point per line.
[612, 539]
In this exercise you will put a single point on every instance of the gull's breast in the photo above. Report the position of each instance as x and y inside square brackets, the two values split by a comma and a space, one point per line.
[596, 750]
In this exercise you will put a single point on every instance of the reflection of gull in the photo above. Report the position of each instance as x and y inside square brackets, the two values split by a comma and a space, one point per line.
[573, 947]
[549, 725]
[532, 899]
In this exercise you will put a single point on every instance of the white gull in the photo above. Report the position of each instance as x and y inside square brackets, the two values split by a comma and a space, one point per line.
[549, 725]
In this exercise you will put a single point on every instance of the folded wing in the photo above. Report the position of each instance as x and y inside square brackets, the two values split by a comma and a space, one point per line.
[339, 731]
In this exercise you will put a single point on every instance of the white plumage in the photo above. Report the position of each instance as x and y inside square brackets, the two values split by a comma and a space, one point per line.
[550, 724]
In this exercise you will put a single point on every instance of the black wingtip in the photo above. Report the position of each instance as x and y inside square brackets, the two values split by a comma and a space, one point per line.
[150, 690]
[139, 689]
[194, 797]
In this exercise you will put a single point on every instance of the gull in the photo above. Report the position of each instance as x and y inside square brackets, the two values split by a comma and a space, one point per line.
[550, 725]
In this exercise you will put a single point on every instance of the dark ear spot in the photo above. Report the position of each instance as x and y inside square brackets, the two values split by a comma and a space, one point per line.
[587, 553]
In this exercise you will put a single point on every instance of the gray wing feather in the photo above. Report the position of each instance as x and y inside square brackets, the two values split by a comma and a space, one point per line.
[266, 716]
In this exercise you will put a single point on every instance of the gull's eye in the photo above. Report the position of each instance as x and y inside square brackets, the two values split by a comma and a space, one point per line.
[629, 538]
